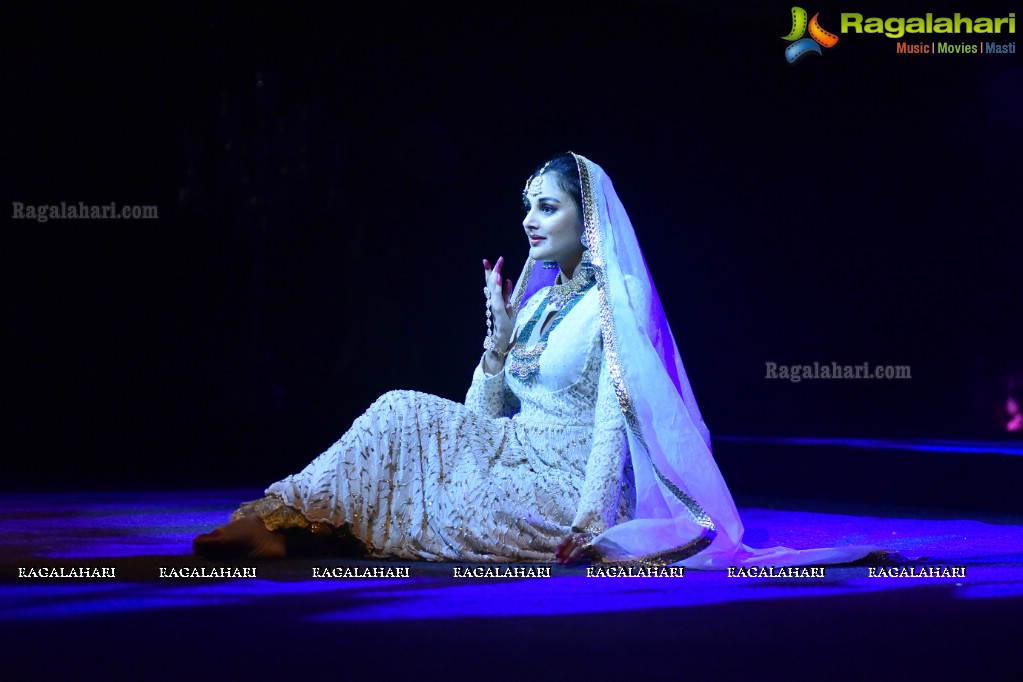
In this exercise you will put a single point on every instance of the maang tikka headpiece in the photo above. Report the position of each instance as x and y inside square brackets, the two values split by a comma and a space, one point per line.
[534, 184]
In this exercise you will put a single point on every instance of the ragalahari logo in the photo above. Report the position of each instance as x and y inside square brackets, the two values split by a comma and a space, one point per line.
[801, 46]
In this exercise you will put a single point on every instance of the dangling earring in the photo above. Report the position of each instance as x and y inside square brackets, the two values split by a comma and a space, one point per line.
[550, 265]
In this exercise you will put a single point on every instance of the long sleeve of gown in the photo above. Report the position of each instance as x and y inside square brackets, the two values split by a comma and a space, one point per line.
[489, 395]
[599, 501]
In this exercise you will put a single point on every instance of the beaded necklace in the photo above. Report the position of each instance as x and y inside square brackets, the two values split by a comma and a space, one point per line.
[524, 362]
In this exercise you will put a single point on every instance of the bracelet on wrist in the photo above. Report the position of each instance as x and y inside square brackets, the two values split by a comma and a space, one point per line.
[490, 345]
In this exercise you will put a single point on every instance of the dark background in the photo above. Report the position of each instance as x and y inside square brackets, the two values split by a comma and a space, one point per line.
[328, 180]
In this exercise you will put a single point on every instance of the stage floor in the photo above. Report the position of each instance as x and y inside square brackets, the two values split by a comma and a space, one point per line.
[137, 625]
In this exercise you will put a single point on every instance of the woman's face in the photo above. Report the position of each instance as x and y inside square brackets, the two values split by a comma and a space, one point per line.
[553, 224]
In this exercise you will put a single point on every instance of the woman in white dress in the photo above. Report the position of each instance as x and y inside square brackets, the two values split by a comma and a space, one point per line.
[579, 438]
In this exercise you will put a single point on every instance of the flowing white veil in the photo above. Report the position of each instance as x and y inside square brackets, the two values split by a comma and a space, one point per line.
[684, 512]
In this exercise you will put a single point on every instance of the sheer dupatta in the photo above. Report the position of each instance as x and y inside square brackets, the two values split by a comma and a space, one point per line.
[684, 512]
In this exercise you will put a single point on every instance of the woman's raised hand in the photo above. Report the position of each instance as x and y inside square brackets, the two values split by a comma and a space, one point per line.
[499, 300]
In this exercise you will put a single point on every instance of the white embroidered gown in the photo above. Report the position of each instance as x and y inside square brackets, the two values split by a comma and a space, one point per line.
[504, 477]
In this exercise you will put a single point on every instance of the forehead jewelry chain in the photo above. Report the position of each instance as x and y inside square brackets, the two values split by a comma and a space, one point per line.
[535, 183]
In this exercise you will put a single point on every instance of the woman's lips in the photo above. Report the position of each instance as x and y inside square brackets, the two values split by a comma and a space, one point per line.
[534, 240]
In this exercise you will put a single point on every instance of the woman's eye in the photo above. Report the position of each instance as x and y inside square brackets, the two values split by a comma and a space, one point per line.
[547, 208]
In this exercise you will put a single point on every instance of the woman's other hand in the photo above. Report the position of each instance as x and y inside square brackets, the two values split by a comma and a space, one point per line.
[575, 549]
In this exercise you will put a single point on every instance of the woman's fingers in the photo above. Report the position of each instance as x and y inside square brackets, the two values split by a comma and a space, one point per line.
[577, 549]
[493, 273]
[574, 549]
[488, 276]
[498, 292]
[562, 550]
[497, 286]
[571, 550]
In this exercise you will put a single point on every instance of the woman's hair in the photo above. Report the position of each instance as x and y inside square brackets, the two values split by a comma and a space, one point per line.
[565, 167]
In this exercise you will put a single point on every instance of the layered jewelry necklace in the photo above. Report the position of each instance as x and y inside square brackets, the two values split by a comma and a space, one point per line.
[524, 362]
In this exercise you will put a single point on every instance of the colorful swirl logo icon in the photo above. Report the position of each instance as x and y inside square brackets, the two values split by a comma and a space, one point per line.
[801, 46]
